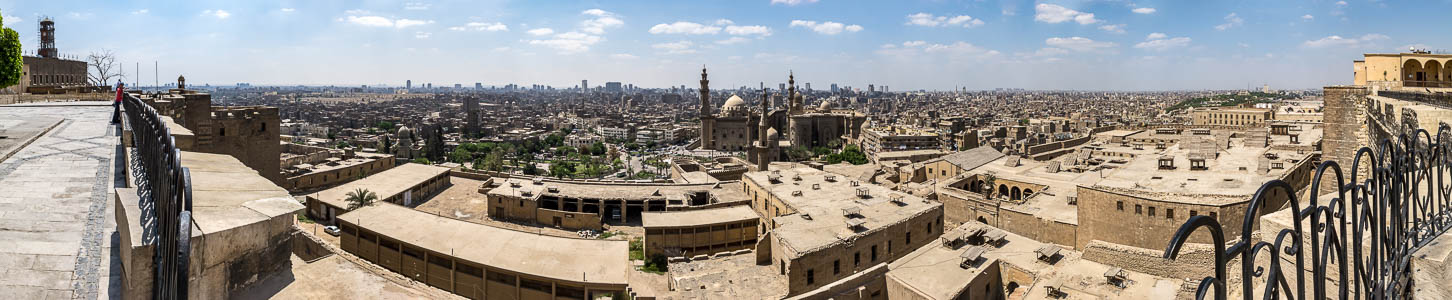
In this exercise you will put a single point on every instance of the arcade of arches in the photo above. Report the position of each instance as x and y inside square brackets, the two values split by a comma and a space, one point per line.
[1426, 73]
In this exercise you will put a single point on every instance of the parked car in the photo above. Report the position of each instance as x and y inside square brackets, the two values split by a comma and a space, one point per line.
[333, 230]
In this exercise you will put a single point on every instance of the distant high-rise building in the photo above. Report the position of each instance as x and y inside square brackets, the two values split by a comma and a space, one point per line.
[478, 85]
[458, 86]
[408, 84]
[834, 87]
[809, 86]
[585, 85]
[612, 87]
[871, 89]
[429, 85]
[781, 86]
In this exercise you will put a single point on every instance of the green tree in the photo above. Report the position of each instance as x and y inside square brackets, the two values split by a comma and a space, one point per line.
[385, 125]
[495, 160]
[555, 140]
[10, 61]
[460, 155]
[360, 198]
[530, 169]
[421, 160]
[597, 148]
[798, 153]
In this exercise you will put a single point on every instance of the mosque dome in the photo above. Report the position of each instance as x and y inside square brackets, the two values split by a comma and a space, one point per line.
[403, 132]
[771, 134]
[826, 105]
[734, 105]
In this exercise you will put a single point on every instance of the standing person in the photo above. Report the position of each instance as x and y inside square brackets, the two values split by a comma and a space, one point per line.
[116, 115]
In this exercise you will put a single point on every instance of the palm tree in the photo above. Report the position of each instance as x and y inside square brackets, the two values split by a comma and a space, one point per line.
[360, 198]
[988, 182]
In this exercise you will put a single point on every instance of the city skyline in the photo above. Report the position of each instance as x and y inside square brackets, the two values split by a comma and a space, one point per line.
[933, 45]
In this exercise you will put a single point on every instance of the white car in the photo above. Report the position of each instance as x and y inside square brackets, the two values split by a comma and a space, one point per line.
[332, 230]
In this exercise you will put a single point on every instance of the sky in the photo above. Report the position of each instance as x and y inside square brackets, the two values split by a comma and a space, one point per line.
[904, 44]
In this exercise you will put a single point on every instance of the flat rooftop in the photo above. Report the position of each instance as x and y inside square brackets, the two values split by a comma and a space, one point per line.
[825, 205]
[227, 194]
[566, 259]
[575, 189]
[697, 217]
[1230, 176]
[386, 184]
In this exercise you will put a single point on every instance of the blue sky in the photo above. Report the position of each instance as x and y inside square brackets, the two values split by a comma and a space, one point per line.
[905, 44]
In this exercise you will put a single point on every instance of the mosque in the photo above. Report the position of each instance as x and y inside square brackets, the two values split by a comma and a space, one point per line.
[735, 128]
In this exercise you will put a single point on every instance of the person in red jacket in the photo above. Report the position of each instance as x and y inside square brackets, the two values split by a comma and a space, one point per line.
[116, 115]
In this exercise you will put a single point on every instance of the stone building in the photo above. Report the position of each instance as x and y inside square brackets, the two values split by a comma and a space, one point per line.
[1231, 116]
[1396, 70]
[403, 185]
[697, 232]
[249, 133]
[734, 128]
[576, 204]
[820, 228]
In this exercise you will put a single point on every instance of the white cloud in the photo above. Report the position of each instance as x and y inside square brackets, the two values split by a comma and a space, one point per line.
[405, 23]
[481, 26]
[827, 28]
[724, 22]
[1115, 28]
[1078, 44]
[929, 20]
[220, 14]
[733, 40]
[540, 31]
[748, 30]
[603, 20]
[1308, 17]
[1144, 10]
[83, 15]
[1054, 14]
[1231, 21]
[623, 56]
[913, 43]
[1155, 36]
[364, 18]
[1163, 44]
[792, 2]
[682, 27]
[913, 49]
[569, 42]
[288, 9]
[13, 19]
[141, 11]
[415, 6]
[681, 47]
[1338, 41]
[422, 35]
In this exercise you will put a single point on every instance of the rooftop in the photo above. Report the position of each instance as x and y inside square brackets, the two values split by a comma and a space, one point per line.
[819, 221]
[577, 189]
[386, 184]
[697, 217]
[566, 259]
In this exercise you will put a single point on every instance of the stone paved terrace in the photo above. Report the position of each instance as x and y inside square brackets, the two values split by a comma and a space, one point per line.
[56, 224]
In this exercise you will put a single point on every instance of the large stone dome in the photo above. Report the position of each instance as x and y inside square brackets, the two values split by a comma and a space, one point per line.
[734, 106]
[403, 132]
[826, 105]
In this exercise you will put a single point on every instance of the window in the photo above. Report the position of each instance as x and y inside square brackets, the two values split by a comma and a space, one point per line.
[783, 267]
[472, 271]
[1152, 211]
[501, 278]
[836, 267]
[929, 227]
[1194, 213]
[521, 203]
[908, 239]
[811, 276]
[441, 262]
[1138, 209]
[857, 259]
[1119, 205]
[1169, 213]
[874, 253]
[535, 285]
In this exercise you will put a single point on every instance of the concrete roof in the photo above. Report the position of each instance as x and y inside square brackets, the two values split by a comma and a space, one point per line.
[827, 225]
[971, 158]
[227, 194]
[386, 184]
[697, 217]
[565, 259]
[1230, 177]
[599, 190]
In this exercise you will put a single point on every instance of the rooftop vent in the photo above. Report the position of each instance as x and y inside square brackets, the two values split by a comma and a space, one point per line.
[898, 199]
[538, 181]
[553, 189]
[862, 193]
[831, 178]
[796, 177]
[816, 186]
[774, 178]
[854, 183]
[807, 216]
[513, 183]
[851, 211]
[526, 193]
[797, 193]
[856, 223]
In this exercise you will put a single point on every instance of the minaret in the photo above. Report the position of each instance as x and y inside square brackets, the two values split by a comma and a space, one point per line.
[791, 92]
[762, 157]
[705, 93]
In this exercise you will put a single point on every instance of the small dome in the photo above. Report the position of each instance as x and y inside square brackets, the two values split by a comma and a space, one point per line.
[826, 105]
[771, 133]
[403, 131]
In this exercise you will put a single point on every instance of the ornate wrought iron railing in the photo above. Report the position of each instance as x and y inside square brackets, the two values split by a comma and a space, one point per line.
[164, 186]
[1367, 231]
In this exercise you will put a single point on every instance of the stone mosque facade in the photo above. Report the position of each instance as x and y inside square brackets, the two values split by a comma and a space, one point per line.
[736, 128]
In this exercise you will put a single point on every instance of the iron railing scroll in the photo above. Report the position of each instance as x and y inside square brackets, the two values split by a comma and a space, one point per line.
[1368, 231]
[164, 185]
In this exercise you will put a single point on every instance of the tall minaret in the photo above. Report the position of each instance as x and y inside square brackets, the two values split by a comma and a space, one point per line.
[791, 91]
[705, 93]
[762, 155]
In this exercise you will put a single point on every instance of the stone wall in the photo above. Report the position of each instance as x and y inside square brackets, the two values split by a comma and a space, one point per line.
[1039, 229]
[1345, 126]
[1194, 261]
[868, 284]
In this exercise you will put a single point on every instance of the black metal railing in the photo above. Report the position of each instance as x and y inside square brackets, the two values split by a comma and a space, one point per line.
[164, 187]
[1367, 231]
